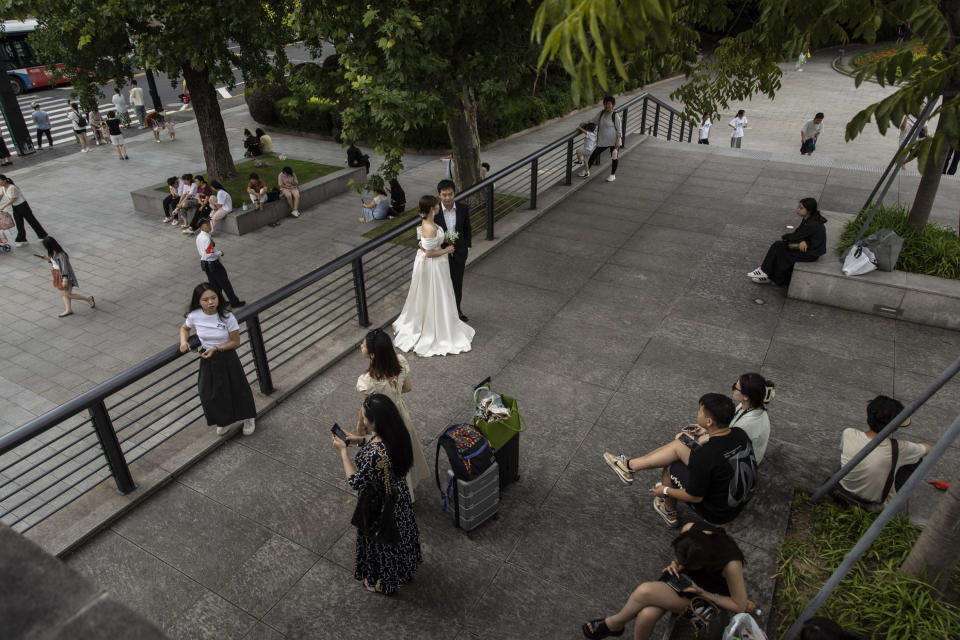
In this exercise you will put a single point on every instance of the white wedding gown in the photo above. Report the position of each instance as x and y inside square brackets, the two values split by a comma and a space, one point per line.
[429, 324]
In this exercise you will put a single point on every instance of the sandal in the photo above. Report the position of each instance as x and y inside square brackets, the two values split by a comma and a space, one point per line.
[598, 629]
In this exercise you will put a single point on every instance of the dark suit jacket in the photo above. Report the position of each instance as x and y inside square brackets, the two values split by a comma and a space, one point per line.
[463, 242]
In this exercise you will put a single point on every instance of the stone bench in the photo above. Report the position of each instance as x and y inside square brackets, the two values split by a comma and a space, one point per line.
[149, 201]
[893, 294]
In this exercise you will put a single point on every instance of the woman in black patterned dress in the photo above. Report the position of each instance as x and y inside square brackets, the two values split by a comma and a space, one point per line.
[383, 568]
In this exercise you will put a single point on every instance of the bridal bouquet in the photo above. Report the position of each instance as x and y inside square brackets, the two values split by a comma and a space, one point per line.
[450, 237]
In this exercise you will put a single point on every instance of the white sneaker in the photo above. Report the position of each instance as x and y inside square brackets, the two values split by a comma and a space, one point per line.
[757, 273]
[760, 279]
[222, 430]
[249, 426]
[84, 150]
[611, 178]
[584, 174]
[19, 244]
[295, 213]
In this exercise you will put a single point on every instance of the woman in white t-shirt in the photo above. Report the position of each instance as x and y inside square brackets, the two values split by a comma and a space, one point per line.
[224, 391]
[703, 131]
[737, 124]
[752, 392]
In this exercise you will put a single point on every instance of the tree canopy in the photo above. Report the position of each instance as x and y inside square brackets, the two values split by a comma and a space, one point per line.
[203, 42]
[590, 38]
[409, 64]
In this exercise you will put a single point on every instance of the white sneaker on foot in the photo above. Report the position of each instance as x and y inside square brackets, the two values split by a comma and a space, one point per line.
[584, 174]
[295, 213]
[757, 273]
[249, 426]
[222, 430]
[611, 177]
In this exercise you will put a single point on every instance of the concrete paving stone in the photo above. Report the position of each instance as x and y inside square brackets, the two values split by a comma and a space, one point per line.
[211, 617]
[113, 562]
[261, 631]
[594, 243]
[908, 385]
[315, 606]
[736, 342]
[288, 502]
[107, 619]
[566, 222]
[514, 263]
[716, 370]
[822, 366]
[846, 403]
[760, 321]
[868, 350]
[784, 202]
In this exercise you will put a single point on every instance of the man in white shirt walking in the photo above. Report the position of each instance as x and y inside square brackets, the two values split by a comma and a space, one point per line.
[211, 265]
[809, 134]
[136, 99]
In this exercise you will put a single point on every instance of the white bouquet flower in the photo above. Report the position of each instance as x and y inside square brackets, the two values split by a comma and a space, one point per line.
[450, 237]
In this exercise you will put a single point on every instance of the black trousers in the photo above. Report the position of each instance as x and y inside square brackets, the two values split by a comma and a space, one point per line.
[595, 158]
[779, 261]
[456, 274]
[168, 204]
[217, 276]
[40, 133]
[21, 213]
[200, 212]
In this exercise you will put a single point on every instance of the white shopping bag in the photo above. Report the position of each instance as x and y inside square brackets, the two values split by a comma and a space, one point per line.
[743, 627]
[859, 260]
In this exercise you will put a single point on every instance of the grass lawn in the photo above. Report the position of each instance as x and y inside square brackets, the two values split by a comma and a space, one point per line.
[237, 186]
[503, 204]
[874, 600]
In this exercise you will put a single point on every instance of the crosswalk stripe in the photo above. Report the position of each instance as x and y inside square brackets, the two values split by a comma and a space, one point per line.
[60, 127]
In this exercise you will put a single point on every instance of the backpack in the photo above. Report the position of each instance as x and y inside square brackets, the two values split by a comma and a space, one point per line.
[744, 482]
[468, 452]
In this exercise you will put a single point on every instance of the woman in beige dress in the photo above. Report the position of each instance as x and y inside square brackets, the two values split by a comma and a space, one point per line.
[389, 374]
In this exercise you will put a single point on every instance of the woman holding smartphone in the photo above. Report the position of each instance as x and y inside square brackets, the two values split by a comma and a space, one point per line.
[381, 463]
[708, 565]
[224, 391]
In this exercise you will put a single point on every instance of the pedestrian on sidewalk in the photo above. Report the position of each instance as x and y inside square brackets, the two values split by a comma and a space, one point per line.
[589, 131]
[42, 121]
[97, 126]
[116, 135]
[609, 136]
[221, 205]
[121, 107]
[221, 383]
[136, 99]
[809, 134]
[64, 279]
[737, 124]
[377, 474]
[12, 196]
[210, 264]
[155, 121]
[79, 124]
[4, 153]
[703, 131]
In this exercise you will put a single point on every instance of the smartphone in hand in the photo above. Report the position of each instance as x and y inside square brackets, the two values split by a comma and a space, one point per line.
[340, 433]
[680, 582]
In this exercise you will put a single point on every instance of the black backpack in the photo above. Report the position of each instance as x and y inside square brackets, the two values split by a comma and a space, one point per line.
[468, 452]
[744, 482]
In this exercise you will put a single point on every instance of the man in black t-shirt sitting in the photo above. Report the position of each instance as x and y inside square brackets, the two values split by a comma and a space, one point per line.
[714, 473]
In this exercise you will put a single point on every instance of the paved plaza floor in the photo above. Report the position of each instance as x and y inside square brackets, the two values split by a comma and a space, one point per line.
[607, 318]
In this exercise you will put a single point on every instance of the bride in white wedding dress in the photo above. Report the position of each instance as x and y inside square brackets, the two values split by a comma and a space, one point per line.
[429, 324]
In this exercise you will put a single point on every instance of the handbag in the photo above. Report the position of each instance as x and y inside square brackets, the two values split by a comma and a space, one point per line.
[708, 619]
[375, 514]
[499, 432]
[858, 261]
[58, 282]
[743, 627]
[886, 246]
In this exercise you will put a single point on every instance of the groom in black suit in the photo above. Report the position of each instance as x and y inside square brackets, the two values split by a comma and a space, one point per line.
[455, 215]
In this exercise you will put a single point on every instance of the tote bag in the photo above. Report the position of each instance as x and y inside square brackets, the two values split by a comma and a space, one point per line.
[859, 260]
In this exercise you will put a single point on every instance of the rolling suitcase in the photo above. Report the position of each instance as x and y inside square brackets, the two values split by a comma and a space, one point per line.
[504, 435]
[473, 502]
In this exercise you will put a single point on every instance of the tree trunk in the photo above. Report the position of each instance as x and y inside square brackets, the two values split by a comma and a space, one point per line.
[929, 184]
[936, 553]
[213, 136]
[464, 138]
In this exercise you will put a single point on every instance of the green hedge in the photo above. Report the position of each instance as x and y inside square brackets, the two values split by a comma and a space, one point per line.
[933, 250]
[314, 115]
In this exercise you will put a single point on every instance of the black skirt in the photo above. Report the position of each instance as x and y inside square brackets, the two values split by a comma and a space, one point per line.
[224, 391]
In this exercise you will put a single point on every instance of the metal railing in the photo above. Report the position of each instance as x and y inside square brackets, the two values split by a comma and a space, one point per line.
[896, 504]
[52, 460]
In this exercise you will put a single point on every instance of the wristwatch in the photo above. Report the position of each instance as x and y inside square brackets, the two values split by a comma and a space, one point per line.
[665, 490]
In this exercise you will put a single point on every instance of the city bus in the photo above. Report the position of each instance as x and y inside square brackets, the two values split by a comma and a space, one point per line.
[23, 70]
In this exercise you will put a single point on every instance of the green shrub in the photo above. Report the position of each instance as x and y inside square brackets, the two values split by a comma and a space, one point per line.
[520, 114]
[311, 114]
[933, 250]
[261, 102]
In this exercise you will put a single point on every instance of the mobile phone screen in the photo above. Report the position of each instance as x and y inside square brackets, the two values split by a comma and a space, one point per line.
[337, 431]
[679, 583]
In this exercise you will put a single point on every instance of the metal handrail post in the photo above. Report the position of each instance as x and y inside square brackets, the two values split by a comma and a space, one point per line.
[360, 290]
[656, 120]
[895, 161]
[682, 124]
[927, 393]
[534, 172]
[643, 117]
[670, 126]
[490, 211]
[568, 173]
[896, 504]
[255, 334]
[623, 127]
[107, 436]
